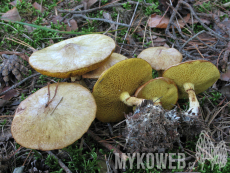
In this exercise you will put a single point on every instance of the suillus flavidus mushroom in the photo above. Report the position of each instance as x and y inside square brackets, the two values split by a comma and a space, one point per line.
[161, 58]
[162, 90]
[123, 77]
[113, 59]
[191, 78]
[48, 121]
[74, 56]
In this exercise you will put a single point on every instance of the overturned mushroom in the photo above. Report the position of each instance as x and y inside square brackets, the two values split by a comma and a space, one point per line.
[74, 56]
[161, 90]
[123, 77]
[191, 78]
[53, 118]
[161, 58]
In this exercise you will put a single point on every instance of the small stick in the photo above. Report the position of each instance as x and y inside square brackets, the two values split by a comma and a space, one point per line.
[60, 162]
[5, 116]
[198, 50]
[56, 106]
[130, 24]
[123, 156]
[104, 20]
[48, 94]
[26, 158]
[19, 83]
[54, 94]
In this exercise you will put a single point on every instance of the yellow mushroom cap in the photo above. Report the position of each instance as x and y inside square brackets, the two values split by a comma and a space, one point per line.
[124, 76]
[201, 73]
[163, 88]
[60, 124]
[161, 58]
[113, 59]
[74, 56]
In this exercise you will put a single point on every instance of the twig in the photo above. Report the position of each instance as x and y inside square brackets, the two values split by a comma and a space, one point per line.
[56, 105]
[191, 39]
[104, 20]
[214, 116]
[26, 158]
[60, 162]
[77, 7]
[24, 35]
[123, 156]
[114, 4]
[129, 25]
[199, 20]
[19, 83]
[49, 94]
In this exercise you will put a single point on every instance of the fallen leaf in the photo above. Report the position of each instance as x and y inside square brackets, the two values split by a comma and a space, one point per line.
[108, 17]
[204, 20]
[88, 3]
[3, 102]
[12, 14]
[38, 7]
[14, 3]
[225, 90]
[10, 94]
[56, 18]
[5, 136]
[156, 21]
[72, 22]
[73, 26]
[226, 76]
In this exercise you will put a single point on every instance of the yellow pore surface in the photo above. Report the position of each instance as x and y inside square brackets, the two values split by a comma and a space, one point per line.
[162, 88]
[126, 75]
[203, 74]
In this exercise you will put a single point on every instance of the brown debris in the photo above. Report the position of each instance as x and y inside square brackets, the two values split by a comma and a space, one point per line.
[151, 128]
[12, 14]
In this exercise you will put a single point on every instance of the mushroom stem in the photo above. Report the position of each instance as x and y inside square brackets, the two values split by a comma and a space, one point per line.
[79, 80]
[133, 101]
[157, 101]
[75, 78]
[130, 101]
[193, 102]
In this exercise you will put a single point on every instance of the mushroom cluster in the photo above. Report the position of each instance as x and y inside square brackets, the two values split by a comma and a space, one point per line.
[54, 117]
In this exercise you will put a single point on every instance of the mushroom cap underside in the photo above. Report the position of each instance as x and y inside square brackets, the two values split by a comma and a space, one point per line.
[201, 73]
[126, 75]
[163, 88]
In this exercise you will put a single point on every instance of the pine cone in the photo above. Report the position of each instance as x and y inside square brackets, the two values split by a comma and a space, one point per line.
[12, 68]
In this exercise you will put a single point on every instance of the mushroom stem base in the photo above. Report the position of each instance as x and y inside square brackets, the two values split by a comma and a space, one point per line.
[130, 101]
[157, 101]
[193, 102]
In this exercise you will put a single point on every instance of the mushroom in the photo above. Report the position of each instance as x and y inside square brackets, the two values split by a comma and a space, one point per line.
[161, 90]
[74, 56]
[161, 58]
[122, 78]
[53, 117]
[191, 78]
[113, 59]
